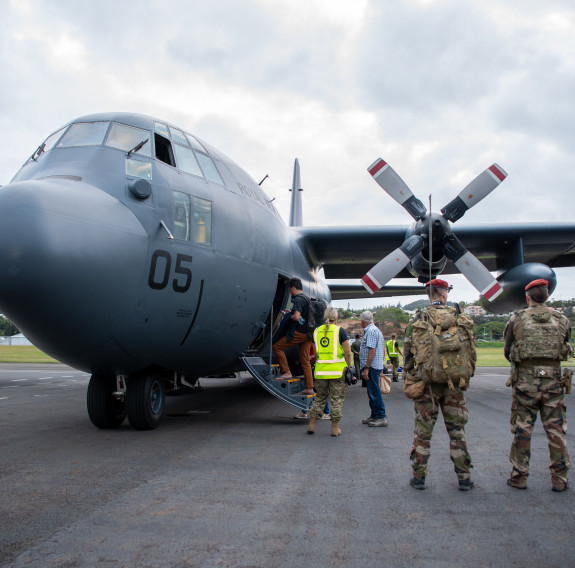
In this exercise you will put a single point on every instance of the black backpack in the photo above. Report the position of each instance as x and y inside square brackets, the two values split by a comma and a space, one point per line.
[315, 311]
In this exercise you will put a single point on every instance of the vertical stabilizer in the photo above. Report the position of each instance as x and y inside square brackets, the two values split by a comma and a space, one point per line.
[296, 215]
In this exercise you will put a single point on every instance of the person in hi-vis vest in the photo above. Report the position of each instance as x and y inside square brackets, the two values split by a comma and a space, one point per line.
[393, 352]
[333, 358]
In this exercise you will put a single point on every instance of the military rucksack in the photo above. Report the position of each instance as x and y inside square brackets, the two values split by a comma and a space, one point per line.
[443, 346]
[315, 312]
[539, 333]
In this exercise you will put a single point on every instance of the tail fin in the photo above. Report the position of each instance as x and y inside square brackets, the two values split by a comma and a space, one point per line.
[296, 215]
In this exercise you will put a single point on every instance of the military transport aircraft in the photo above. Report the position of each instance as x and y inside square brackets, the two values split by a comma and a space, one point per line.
[138, 253]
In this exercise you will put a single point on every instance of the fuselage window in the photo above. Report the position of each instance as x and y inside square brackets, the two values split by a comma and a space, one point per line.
[202, 227]
[210, 170]
[127, 138]
[186, 160]
[164, 150]
[84, 134]
[181, 216]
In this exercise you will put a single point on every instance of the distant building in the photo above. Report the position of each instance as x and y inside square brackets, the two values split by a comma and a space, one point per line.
[474, 311]
[18, 339]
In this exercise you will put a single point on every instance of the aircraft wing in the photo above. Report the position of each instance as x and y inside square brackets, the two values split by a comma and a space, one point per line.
[353, 291]
[350, 252]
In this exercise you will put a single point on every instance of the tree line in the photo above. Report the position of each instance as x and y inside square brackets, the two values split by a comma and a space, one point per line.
[488, 327]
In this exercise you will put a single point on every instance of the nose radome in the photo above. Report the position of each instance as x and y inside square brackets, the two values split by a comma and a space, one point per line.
[71, 258]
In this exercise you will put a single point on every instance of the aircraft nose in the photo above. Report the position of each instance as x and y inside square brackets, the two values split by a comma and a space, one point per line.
[71, 260]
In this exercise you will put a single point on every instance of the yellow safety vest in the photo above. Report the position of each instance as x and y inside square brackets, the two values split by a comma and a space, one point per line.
[330, 361]
[391, 352]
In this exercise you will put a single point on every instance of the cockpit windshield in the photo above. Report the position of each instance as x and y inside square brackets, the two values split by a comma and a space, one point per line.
[129, 138]
[84, 134]
[170, 145]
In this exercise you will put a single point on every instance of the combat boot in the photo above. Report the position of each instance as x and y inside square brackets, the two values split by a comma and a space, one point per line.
[335, 431]
[417, 482]
[311, 425]
[558, 485]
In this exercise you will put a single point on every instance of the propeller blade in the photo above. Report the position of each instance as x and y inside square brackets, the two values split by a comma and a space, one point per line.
[474, 192]
[393, 263]
[387, 178]
[479, 277]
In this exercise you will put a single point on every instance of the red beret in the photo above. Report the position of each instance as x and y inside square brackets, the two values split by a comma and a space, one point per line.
[538, 282]
[437, 282]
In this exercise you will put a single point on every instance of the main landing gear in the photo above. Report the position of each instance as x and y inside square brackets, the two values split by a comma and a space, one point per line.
[144, 401]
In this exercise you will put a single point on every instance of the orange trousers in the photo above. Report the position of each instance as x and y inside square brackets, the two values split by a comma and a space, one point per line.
[304, 343]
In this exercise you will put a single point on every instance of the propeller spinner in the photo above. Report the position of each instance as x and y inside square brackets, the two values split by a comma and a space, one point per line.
[443, 239]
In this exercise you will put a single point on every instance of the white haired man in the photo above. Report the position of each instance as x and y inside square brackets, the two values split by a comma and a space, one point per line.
[371, 363]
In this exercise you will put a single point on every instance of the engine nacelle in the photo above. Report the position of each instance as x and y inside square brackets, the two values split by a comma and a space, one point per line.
[420, 268]
[513, 283]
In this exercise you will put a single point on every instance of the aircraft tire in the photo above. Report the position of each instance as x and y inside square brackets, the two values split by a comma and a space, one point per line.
[104, 410]
[145, 401]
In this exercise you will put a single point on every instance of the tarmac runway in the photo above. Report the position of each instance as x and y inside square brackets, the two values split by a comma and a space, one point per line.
[230, 479]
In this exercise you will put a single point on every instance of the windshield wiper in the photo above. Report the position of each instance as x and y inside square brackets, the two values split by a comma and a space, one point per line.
[37, 152]
[138, 146]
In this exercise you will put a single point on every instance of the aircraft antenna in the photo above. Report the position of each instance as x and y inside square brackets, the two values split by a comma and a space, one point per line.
[264, 179]
[296, 215]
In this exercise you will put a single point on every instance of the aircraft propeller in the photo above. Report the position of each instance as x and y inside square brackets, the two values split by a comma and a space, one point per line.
[443, 240]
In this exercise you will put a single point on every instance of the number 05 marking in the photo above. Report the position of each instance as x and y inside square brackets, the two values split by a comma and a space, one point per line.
[161, 267]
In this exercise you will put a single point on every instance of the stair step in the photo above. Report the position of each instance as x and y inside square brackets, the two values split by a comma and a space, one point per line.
[288, 390]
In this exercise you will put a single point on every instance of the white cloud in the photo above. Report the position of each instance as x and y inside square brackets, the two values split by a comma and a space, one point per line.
[441, 89]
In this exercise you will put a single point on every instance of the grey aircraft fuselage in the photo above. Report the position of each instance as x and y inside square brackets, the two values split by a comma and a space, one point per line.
[92, 276]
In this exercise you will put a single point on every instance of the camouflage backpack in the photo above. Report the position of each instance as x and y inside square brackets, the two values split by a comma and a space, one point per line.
[539, 333]
[443, 346]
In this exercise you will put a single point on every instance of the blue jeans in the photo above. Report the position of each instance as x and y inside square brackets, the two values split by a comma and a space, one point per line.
[374, 394]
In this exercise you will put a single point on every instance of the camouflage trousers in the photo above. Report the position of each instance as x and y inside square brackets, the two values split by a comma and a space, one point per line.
[455, 416]
[335, 389]
[395, 363]
[530, 396]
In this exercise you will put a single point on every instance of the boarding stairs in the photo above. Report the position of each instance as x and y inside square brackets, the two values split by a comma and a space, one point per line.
[288, 390]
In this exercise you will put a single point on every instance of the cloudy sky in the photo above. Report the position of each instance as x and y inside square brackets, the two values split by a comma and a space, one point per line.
[440, 89]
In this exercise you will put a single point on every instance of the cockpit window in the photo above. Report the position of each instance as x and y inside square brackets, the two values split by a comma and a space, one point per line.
[195, 144]
[186, 160]
[128, 137]
[84, 134]
[164, 150]
[209, 168]
[52, 139]
[178, 136]
[162, 129]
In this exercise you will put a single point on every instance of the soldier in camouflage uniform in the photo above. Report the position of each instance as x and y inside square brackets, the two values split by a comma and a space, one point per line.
[536, 340]
[448, 397]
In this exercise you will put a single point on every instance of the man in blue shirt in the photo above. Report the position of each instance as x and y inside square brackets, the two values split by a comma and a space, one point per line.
[371, 362]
